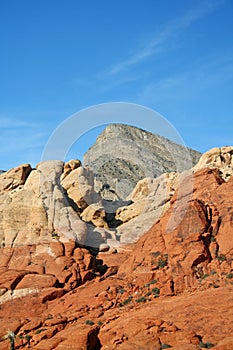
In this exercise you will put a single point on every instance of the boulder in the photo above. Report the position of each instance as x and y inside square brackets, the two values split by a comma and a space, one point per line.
[96, 215]
[220, 158]
[70, 166]
[79, 185]
[15, 177]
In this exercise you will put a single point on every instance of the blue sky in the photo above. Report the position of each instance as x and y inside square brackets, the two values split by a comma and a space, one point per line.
[59, 57]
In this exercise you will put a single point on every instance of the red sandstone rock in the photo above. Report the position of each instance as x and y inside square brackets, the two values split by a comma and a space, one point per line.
[174, 287]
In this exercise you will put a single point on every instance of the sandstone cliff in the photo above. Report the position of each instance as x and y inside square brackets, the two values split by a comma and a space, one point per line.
[173, 288]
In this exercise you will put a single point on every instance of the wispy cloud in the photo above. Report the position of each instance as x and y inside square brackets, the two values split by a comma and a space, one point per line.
[11, 123]
[159, 43]
[189, 83]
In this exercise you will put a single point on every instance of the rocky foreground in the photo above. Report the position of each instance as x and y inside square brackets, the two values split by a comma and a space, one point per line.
[171, 288]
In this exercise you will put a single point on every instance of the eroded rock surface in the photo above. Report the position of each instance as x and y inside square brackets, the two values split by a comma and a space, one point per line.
[171, 289]
[37, 209]
[220, 158]
[123, 155]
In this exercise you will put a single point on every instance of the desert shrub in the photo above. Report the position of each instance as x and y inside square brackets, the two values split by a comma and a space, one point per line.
[38, 331]
[121, 291]
[127, 301]
[206, 345]
[90, 322]
[162, 263]
[156, 292]
[151, 282]
[221, 257]
[141, 300]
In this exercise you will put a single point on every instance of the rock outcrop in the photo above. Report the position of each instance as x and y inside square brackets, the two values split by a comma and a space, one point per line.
[34, 207]
[171, 289]
[14, 178]
[179, 253]
[220, 158]
[123, 155]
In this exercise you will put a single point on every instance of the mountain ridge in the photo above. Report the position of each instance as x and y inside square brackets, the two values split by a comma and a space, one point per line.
[122, 155]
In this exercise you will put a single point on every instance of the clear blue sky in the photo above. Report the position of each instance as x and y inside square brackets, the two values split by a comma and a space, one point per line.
[60, 56]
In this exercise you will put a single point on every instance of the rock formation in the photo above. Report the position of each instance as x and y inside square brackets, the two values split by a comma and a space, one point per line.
[34, 207]
[173, 288]
[123, 155]
[220, 158]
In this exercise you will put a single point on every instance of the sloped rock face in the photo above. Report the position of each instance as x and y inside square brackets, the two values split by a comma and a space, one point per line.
[190, 241]
[123, 155]
[150, 199]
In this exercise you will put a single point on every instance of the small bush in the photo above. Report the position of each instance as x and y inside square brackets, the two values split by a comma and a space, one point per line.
[151, 282]
[221, 257]
[121, 291]
[206, 345]
[229, 275]
[162, 263]
[90, 322]
[141, 300]
[100, 323]
[165, 346]
[156, 292]
[127, 301]
[38, 331]
[28, 337]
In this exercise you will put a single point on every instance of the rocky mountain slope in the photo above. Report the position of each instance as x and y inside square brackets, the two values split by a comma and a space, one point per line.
[172, 288]
[122, 155]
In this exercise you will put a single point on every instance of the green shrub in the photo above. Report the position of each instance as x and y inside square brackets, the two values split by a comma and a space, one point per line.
[38, 331]
[206, 345]
[90, 322]
[156, 292]
[165, 346]
[121, 291]
[162, 263]
[127, 301]
[229, 275]
[151, 282]
[221, 257]
[141, 300]
[28, 337]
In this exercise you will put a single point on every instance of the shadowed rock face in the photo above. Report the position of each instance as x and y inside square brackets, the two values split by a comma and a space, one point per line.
[123, 155]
